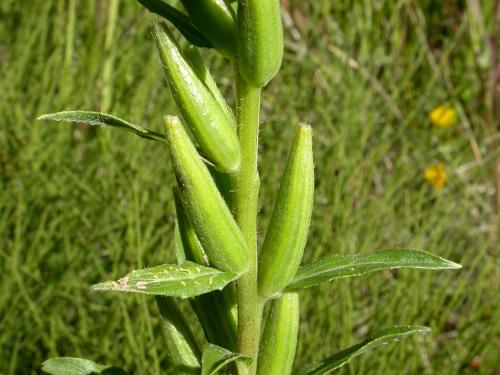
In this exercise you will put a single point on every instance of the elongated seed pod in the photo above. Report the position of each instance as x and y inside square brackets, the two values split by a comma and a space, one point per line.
[216, 310]
[279, 340]
[212, 221]
[213, 129]
[193, 251]
[260, 40]
[201, 69]
[217, 22]
[181, 345]
[287, 233]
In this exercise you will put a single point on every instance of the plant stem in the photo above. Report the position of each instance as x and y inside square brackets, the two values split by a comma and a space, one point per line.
[246, 185]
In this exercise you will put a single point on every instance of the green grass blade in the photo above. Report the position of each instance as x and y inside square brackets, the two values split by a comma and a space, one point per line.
[77, 366]
[341, 358]
[216, 359]
[178, 19]
[98, 118]
[341, 266]
[186, 280]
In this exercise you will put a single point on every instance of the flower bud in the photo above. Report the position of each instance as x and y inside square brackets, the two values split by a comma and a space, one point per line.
[286, 236]
[213, 130]
[260, 40]
[279, 340]
[212, 221]
[217, 22]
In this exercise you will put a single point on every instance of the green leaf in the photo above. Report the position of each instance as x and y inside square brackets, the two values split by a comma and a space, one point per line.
[77, 366]
[216, 359]
[341, 358]
[341, 266]
[185, 280]
[179, 20]
[98, 118]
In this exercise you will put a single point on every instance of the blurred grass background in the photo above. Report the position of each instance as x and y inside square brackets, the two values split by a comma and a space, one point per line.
[79, 205]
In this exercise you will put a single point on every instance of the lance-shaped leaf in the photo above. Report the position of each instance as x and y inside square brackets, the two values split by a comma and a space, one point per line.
[216, 359]
[341, 266]
[186, 280]
[341, 358]
[181, 345]
[98, 118]
[180, 20]
[77, 366]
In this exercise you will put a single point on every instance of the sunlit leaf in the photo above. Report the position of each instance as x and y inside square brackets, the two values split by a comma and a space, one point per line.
[341, 266]
[98, 118]
[216, 359]
[77, 366]
[185, 280]
[341, 358]
[180, 20]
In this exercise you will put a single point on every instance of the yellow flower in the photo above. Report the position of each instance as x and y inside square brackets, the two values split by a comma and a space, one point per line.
[436, 175]
[443, 116]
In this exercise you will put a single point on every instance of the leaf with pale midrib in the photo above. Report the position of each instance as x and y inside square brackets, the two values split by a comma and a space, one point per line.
[343, 357]
[98, 118]
[185, 280]
[77, 366]
[341, 266]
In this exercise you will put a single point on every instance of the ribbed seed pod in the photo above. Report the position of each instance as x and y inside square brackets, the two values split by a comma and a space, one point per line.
[213, 129]
[181, 345]
[279, 340]
[217, 22]
[286, 236]
[216, 310]
[260, 40]
[201, 69]
[212, 221]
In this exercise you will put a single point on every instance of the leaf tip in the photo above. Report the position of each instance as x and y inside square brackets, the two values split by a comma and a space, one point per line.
[45, 116]
[453, 265]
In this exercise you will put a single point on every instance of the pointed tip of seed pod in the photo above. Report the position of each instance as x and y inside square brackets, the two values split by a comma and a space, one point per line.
[170, 120]
[304, 127]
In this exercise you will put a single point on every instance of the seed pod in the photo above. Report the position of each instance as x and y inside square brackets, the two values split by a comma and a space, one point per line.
[192, 249]
[212, 128]
[201, 69]
[260, 40]
[279, 340]
[217, 22]
[181, 345]
[212, 221]
[287, 233]
[216, 310]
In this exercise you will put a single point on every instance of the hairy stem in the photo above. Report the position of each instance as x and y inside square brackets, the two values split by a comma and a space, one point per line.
[245, 196]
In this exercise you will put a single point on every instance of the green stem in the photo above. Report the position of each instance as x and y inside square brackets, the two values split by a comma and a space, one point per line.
[246, 185]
